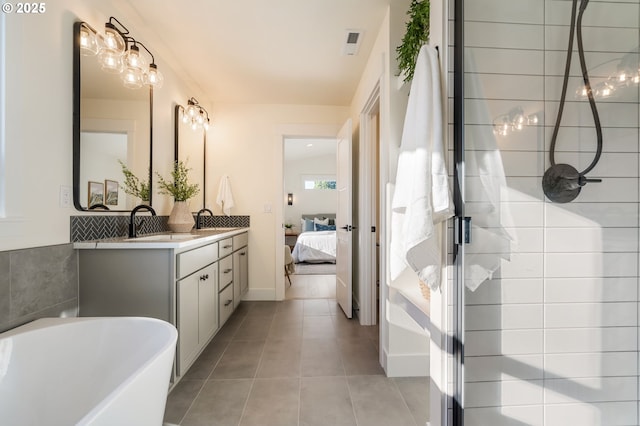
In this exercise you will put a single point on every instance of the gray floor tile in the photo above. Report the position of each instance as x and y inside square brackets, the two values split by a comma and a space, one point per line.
[272, 402]
[314, 307]
[285, 330]
[321, 357]
[206, 362]
[280, 358]
[254, 328]
[264, 370]
[415, 391]
[262, 309]
[220, 403]
[378, 402]
[318, 327]
[359, 357]
[239, 361]
[292, 307]
[350, 328]
[325, 401]
[180, 399]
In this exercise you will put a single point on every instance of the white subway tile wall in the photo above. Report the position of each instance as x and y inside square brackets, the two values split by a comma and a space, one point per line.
[552, 337]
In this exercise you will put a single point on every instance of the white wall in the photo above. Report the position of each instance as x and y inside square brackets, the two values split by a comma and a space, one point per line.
[399, 354]
[308, 201]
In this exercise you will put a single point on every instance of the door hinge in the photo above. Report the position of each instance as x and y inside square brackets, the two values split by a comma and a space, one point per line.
[462, 230]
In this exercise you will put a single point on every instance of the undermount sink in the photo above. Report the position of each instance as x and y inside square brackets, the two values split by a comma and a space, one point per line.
[164, 237]
[215, 230]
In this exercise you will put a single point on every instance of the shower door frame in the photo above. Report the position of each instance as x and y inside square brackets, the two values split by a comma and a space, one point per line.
[455, 412]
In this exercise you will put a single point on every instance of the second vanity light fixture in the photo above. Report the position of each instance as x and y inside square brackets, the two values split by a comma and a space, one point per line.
[194, 115]
[118, 52]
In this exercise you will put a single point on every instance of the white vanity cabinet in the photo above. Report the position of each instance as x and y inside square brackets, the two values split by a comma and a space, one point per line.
[197, 302]
[190, 283]
[240, 267]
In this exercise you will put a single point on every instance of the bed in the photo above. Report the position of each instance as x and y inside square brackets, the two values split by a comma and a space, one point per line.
[317, 246]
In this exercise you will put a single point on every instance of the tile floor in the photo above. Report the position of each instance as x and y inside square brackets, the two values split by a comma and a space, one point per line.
[295, 362]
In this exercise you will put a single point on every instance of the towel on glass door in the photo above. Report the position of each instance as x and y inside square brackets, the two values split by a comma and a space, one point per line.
[487, 196]
[225, 197]
[422, 198]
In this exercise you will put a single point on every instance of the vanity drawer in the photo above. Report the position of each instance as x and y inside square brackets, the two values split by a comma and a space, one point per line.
[240, 240]
[191, 261]
[226, 304]
[226, 272]
[226, 247]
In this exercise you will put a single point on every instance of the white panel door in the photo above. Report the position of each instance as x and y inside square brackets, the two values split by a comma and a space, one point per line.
[344, 223]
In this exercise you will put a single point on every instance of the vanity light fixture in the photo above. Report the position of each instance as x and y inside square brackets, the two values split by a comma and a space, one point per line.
[195, 115]
[514, 120]
[119, 53]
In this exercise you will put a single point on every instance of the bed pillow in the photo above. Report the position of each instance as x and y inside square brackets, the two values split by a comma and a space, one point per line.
[319, 221]
[325, 227]
[306, 225]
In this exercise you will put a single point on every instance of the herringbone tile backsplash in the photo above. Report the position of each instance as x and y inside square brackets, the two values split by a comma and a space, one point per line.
[98, 227]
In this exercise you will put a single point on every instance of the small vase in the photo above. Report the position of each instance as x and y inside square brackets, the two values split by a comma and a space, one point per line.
[180, 219]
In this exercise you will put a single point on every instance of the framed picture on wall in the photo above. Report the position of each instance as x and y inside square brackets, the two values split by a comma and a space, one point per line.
[96, 193]
[111, 192]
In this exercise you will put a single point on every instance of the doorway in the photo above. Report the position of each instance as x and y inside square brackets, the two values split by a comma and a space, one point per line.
[309, 185]
[369, 217]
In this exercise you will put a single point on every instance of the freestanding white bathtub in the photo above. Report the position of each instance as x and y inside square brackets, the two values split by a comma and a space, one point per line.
[86, 371]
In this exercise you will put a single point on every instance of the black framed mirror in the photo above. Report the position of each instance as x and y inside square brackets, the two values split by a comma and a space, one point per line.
[191, 148]
[111, 124]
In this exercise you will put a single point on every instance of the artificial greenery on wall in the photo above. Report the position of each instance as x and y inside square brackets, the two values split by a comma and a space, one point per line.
[417, 34]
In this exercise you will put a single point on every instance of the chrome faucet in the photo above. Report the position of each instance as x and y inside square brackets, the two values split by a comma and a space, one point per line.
[198, 217]
[133, 231]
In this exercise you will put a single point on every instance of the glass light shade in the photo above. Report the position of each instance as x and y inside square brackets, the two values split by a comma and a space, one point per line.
[113, 40]
[111, 62]
[88, 42]
[153, 77]
[132, 78]
[206, 125]
[133, 59]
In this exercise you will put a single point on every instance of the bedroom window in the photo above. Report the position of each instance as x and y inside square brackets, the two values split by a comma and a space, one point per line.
[319, 182]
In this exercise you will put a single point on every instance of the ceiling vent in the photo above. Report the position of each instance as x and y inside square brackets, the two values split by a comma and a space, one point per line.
[352, 42]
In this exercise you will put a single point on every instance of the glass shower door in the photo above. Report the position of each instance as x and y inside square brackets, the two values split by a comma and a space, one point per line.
[549, 310]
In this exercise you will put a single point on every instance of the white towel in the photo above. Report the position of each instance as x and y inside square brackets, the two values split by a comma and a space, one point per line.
[225, 198]
[422, 198]
[492, 239]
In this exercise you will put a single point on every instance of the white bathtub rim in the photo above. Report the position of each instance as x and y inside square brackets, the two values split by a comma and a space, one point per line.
[104, 404]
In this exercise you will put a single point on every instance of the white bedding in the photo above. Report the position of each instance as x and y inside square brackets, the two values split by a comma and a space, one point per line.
[315, 247]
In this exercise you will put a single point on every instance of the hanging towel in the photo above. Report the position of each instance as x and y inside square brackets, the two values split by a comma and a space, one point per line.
[225, 198]
[422, 198]
[487, 197]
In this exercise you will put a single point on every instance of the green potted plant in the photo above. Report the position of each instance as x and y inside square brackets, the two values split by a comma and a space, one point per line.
[134, 186]
[180, 219]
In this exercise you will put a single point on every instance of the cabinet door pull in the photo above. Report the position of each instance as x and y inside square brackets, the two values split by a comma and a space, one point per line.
[226, 271]
[244, 253]
[228, 302]
[227, 246]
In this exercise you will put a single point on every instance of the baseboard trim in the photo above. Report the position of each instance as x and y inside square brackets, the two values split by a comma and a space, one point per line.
[406, 365]
[260, 294]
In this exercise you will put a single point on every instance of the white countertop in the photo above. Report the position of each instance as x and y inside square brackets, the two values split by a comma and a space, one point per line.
[166, 240]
